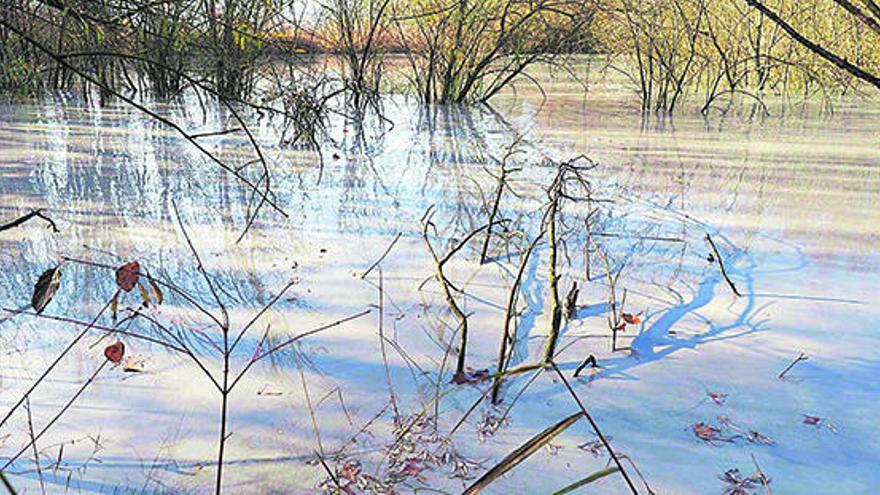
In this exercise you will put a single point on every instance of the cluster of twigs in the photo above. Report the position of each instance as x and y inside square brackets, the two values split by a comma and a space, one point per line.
[164, 334]
[570, 186]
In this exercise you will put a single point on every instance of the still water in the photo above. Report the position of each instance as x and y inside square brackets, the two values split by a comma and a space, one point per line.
[793, 200]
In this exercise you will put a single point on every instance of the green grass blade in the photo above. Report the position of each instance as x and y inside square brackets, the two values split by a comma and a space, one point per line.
[586, 481]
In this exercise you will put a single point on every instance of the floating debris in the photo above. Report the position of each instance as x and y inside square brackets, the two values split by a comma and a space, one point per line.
[717, 397]
[819, 422]
[490, 423]
[708, 433]
[737, 484]
[470, 376]
[748, 433]
[596, 447]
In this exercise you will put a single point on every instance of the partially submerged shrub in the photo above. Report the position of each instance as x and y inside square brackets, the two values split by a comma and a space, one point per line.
[472, 50]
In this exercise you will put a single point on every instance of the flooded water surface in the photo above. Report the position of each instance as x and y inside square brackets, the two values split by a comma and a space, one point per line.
[792, 202]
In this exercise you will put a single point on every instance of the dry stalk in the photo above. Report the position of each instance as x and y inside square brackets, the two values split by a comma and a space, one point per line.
[499, 190]
[552, 274]
[721, 265]
[33, 214]
[508, 338]
[801, 357]
[446, 285]
[596, 429]
[30, 420]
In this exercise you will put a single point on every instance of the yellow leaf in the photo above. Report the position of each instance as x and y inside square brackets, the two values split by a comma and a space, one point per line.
[144, 295]
[157, 294]
[114, 306]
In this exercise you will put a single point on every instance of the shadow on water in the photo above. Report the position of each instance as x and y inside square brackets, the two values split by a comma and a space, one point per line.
[109, 179]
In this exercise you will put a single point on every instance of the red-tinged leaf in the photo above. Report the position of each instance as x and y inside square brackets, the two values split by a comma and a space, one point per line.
[706, 432]
[470, 376]
[114, 353]
[45, 288]
[127, 276]
[718, 398]
[351, 470]
[631, 319]
[620, 328]
[413, 466]
[812, 420]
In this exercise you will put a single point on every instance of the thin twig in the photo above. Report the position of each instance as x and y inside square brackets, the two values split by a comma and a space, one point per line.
[33, 214]
[764, 479]
[508, 338]
[54, 363]
[382, 345]
[30, 420]
[7, 484]
[801, 357]
[721, 265]
[278, 347]
[595, 429]
[57, 416]
[387, 250]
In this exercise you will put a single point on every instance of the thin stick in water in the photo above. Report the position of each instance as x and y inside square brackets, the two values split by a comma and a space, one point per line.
[721, 265]
[801, 357]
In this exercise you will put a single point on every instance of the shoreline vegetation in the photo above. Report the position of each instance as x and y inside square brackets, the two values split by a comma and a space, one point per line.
[714, 53]
[251, 59]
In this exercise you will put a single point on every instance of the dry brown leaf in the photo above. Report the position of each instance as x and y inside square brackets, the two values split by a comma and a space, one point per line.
[45, 288]
[115, 352]
[127, 275]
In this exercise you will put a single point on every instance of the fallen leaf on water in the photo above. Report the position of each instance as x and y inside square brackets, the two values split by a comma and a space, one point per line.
[351, 470]
[470, 376]
[812, 420]
[738, 484]
[115, 352]
[413, 466]
[819, 422]
[756, 437]
[127, 275]
[595, 447]
[631, 319]
[133, 367]
[553, 449]
[705, 432]
[718, 397]
[45, 288]
[748, 433]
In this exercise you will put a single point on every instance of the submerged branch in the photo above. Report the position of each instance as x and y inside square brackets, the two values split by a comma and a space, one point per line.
[33, 214]
[721, 265]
